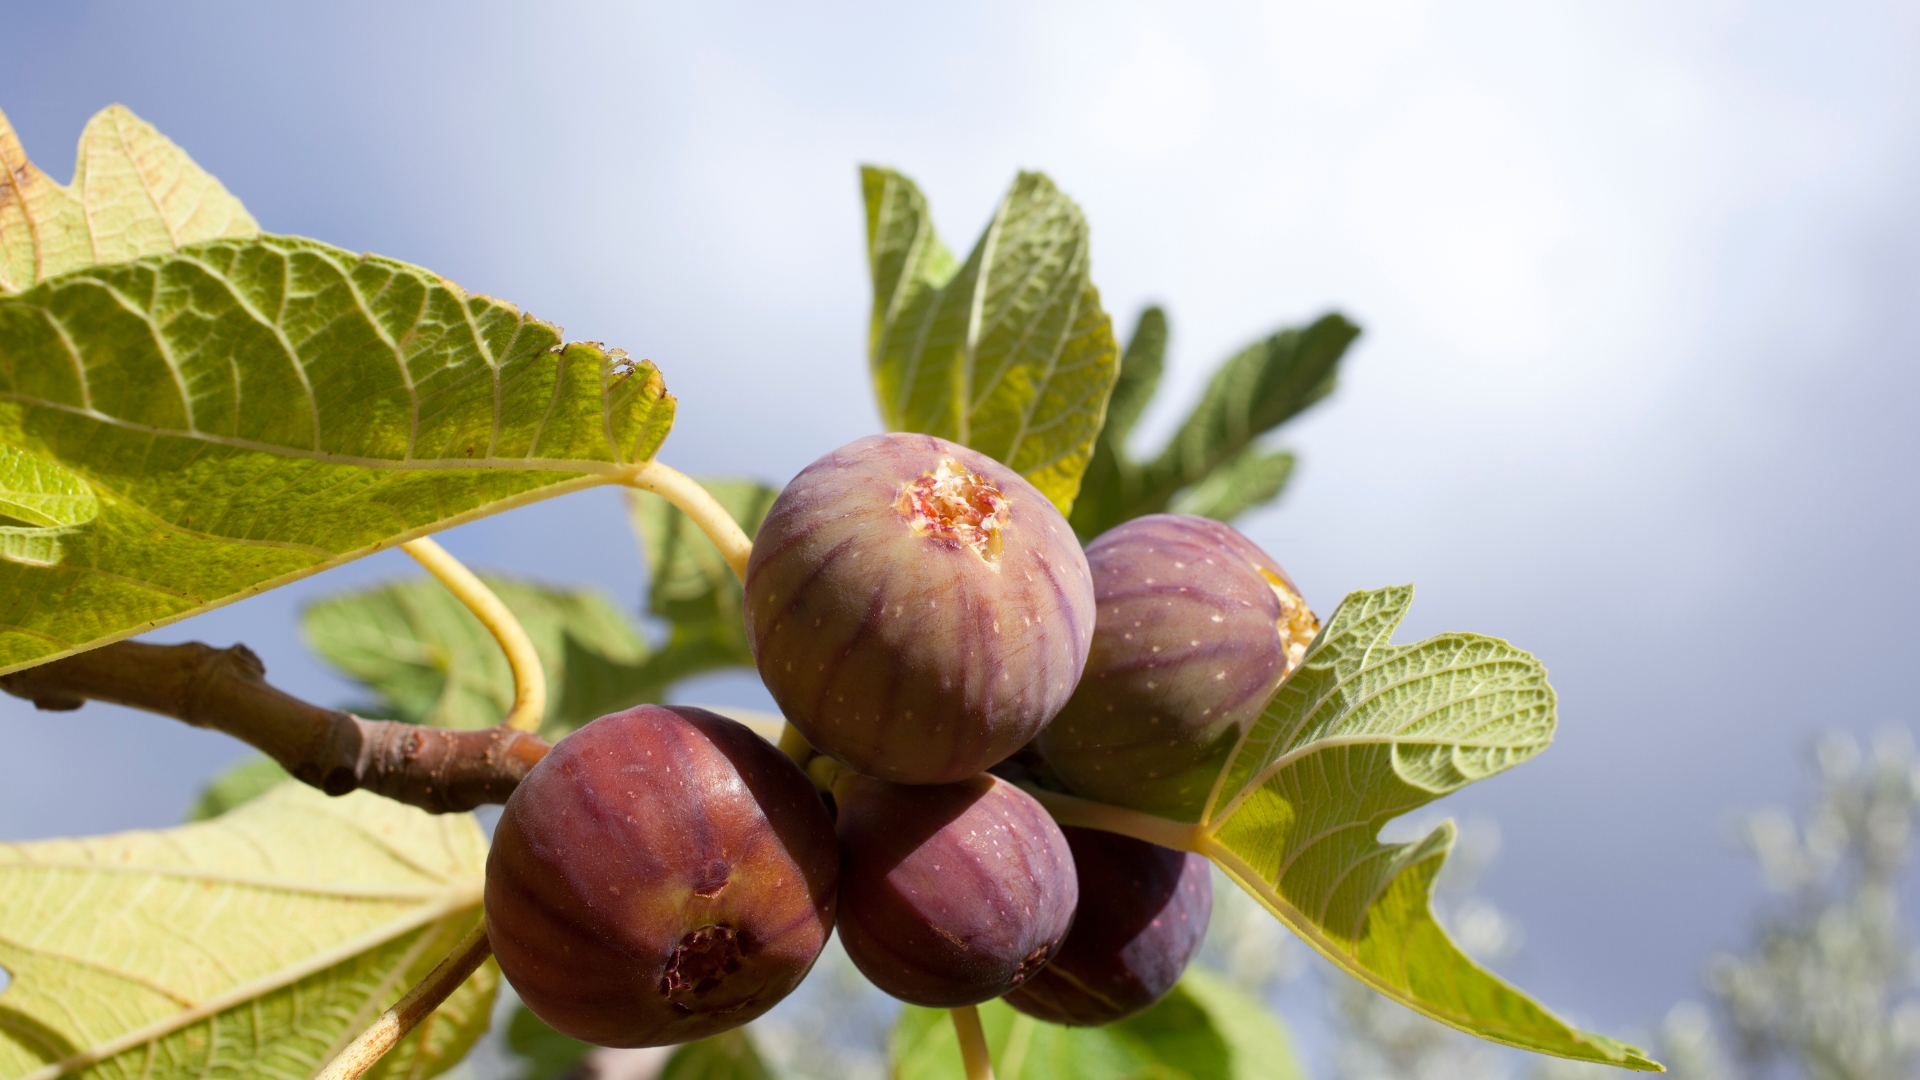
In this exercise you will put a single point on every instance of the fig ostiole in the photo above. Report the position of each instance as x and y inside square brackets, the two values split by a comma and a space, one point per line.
[917, 610]
[951, 894]
[1143, 913]
[662, 875]
[1195, 629]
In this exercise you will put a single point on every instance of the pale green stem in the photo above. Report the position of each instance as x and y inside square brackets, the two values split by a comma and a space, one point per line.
[385, 1033]
[973, 1042]
[691, 499]
[529, 678]
[1073, 810]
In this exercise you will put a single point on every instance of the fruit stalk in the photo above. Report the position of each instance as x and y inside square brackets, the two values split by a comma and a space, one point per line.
[416, 1005]
[973, 1042]
[225, 690]
[691, 499]
[529, 678]
[1086, 813]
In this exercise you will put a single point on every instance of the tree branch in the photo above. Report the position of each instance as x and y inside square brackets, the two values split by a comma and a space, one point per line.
[436, 769]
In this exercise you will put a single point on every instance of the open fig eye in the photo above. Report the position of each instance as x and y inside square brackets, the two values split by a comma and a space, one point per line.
[918, 610]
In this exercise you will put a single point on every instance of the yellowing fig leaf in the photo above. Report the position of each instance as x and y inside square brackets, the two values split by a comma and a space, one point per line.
[250, 411]
[1009, 353]
[1364, 732]
[133, 194]
[254, 944]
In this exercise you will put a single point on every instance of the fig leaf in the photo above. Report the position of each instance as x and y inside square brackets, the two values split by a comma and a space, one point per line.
[246, 409]
[1363, 732]
[1203, 1030]
[253, 944]
[1010, 352]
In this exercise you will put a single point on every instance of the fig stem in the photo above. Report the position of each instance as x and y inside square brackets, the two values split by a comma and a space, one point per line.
[414, 1006]
[1086, 813]
[795, 745]
[686, 494]
[529, 678]
[973, 1042]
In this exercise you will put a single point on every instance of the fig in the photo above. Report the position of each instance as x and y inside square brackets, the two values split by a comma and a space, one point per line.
[1196, 628]
[918, 610]
[662, 875]
[951, 894]
[1143, 912]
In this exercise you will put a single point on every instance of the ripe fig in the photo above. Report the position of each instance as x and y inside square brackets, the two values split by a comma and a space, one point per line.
[951, 894]
[1196, 628]
[917, 609]
[1143, 912]
[661, 876]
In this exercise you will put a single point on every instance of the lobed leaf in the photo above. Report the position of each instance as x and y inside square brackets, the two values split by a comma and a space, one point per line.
[1009, 353]
[430, 660]
[1202, 1030]
[134, 194]
[248, 411]
[1212, 466]
[254, 944]
[1362, 732]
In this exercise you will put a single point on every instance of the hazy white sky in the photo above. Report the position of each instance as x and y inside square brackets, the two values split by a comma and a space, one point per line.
[1636, 389]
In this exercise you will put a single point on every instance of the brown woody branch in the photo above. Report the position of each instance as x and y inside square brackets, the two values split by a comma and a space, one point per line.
[435, 769]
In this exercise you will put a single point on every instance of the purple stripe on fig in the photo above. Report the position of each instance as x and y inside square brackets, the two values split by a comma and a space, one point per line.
[1196, 628]
[951, 894]
[1143, 912]
[918, 610]
[662, 875]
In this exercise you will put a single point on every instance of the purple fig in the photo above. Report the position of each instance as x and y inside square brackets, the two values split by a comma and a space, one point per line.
[661, 876]
[1196, 627]
[1143, 912]
[951, 894]
[917, 609]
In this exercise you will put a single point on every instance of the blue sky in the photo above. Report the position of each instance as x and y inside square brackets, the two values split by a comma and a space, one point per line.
[1635, 392]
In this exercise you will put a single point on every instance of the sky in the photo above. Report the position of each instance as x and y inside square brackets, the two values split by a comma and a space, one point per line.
[1635, 391]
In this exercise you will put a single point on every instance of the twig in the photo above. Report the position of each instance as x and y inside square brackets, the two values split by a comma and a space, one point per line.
[418, 1003]
[529, 678]
[435, 769]
[973, 1043]
[691, 499]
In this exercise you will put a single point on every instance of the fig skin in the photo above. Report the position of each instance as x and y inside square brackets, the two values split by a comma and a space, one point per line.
[1143, 913]
[1196, 628]
[904, 648]
[662, 875]
[951, 894]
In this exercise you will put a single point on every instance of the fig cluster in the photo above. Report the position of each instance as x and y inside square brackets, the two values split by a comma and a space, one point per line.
[922, 615]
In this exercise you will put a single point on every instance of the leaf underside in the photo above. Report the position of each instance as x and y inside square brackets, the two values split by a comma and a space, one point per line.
[252, 410]
[1202, 1030]
[255, 944]
[1010, 352]
[1364, 732]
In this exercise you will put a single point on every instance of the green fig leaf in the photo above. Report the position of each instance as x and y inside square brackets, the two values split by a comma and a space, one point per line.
[690, 584]
[249, 411]
[255, 944]
[1009, 353]
[237, 784]
[134, 194]
[1365, 731]
[1202, 1030]
[544, 1053]
[729, 1055]
[1213, 465]
[429, 660]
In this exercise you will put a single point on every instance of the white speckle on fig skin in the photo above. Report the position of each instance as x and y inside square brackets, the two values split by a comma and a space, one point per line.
[837, 557]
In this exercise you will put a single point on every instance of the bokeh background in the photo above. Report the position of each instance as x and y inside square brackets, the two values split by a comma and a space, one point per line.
[1640, 284]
